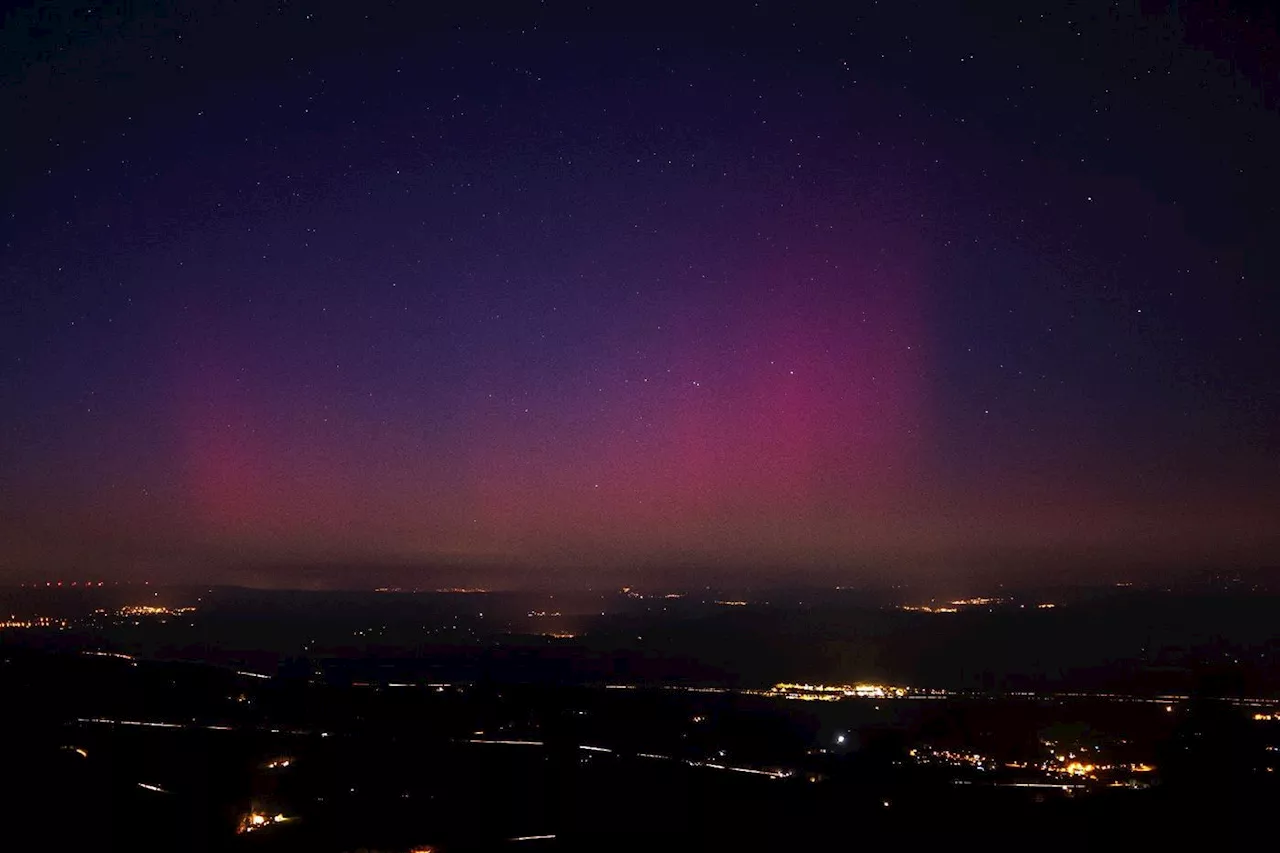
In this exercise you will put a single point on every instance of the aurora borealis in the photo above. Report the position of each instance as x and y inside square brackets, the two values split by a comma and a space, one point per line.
[577, 292]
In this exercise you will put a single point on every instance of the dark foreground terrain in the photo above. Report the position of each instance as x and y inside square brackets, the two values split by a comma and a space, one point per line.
[140, 719]
[115, 754]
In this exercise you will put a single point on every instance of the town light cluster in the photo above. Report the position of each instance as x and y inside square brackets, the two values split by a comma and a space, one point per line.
[834, 692]
[254, 821]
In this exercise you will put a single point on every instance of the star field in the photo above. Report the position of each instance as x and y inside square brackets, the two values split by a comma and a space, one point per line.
[897, 287]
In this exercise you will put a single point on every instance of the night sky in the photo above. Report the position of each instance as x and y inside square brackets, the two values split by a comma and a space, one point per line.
[552, 291]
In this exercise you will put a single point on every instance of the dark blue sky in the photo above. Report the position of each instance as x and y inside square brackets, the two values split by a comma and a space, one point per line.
[556, 288]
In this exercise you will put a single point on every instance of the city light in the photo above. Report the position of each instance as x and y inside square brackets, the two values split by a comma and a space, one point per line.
[835, 692]
[34, 622]
[950, 758]
[260, 820]
[954, 605]
[133, 610]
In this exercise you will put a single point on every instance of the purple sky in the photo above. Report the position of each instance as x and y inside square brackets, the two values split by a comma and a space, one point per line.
[582, 293]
